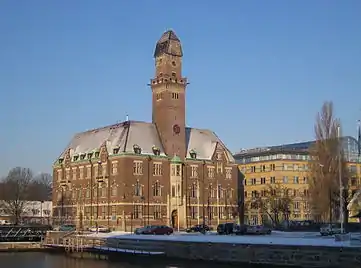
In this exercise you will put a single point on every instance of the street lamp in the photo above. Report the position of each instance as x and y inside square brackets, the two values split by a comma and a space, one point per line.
[143, 209]
[340, 178]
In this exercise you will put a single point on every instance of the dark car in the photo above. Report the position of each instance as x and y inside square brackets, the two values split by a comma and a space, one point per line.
[154, 230]
[199, 228]
[225, 228]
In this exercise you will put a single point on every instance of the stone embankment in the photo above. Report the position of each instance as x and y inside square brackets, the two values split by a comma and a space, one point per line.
[20, 246]
[310, 254]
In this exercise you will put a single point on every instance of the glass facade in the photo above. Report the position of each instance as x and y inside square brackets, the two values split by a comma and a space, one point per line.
[350, 147]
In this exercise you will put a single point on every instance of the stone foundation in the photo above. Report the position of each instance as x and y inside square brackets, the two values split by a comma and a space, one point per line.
[298, 256]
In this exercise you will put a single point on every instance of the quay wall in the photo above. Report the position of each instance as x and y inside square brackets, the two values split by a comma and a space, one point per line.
[282, 255]
[20, 246]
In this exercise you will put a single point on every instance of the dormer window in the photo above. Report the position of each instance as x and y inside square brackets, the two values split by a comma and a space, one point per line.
[116, 150]
[90, 155]
[156, 150]
[137, 149]
[75, 157]
[82, 156]
[96, 154]
[61, 160]
[193, 154]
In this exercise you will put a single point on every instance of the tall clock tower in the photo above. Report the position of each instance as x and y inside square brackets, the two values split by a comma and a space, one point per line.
[168, 93]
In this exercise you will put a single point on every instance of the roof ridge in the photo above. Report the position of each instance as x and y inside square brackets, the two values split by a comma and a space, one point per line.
[110, 126]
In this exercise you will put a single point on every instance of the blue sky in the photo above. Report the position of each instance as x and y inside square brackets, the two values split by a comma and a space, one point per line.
[259, 71]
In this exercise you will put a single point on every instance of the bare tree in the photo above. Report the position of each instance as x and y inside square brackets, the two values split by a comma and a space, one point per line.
[326, 156]
[41, 187]
[15, 191]
[273, 202]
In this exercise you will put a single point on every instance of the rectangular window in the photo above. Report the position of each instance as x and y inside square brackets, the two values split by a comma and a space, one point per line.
[211, 172]
[263, 180]
[137, 213]
[173, 191]
[114, 210]
[67, 174]
[104, 192]
[157, 169]
[272, 180]
[81, 173]
[59, 174]
[285, 179]
[138, 168]
[219, 168]
[272, 167]
[73, 171]
[295, 179]
[176, 170]
[114, 191]
[88, 172]
[138, 189]
[115, 167]
[157, 189]
[228, 173]
[157, 212]
[194, 171]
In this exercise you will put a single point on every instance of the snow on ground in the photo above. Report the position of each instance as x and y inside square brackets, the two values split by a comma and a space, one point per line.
[276, 238]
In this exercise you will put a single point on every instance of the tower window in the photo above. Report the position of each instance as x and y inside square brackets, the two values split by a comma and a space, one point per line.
[159, 96]
[175, 95]
[173, 74]
[174, 63]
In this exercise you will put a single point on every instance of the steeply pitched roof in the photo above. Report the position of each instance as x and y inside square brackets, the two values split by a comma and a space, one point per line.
[127, 134]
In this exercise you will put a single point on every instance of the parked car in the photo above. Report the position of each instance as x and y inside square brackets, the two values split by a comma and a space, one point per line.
[199, 228]
[225, 228]
[258, 229]
[330, 229]
[240, 229]
[5, 222]
[67, 228]
[154, 230]
[99, 229]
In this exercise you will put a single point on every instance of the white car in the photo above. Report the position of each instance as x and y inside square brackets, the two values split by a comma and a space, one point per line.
[99, 229]
[330, 229]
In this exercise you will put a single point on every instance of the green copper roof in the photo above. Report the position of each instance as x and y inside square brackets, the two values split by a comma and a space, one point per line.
[176, 159]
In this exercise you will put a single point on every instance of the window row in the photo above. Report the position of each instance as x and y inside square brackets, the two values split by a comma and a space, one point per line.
[277, 193]
[302, 157]
[212, 191]
[274, 167]
[274, 180]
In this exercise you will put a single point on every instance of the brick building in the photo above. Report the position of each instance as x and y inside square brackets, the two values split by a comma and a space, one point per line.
[138, 173]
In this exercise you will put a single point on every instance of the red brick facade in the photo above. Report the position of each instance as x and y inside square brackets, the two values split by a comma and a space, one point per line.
[127, 189]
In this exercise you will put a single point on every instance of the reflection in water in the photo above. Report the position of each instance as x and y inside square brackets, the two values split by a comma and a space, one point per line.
[43, 260]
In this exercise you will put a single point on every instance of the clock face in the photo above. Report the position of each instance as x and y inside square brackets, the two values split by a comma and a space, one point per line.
[176, 129]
